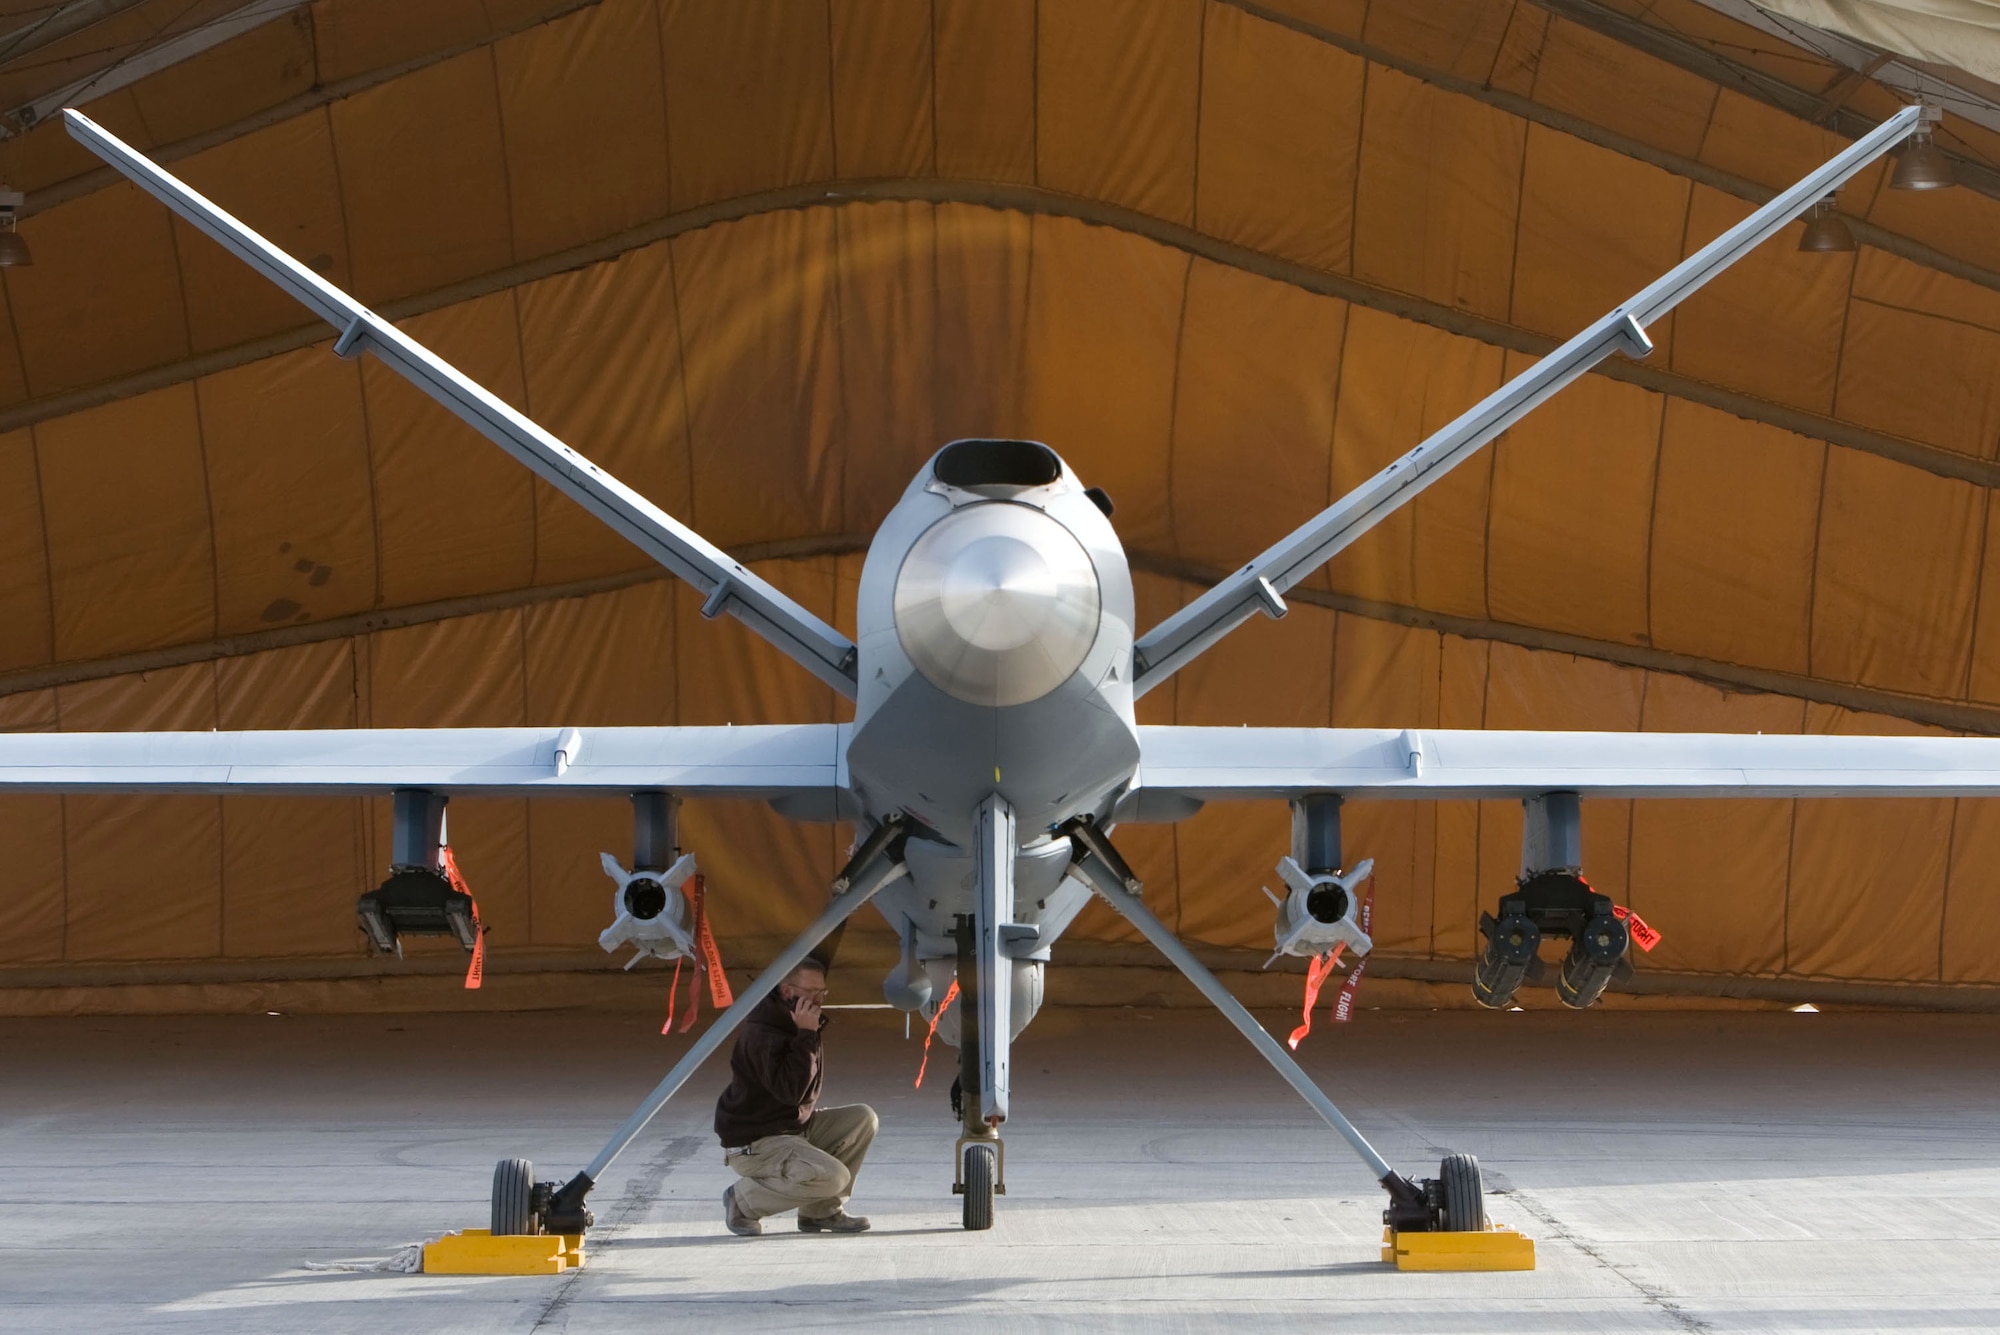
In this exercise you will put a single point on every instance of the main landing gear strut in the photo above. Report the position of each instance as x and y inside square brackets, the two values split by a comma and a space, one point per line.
[522, 1205]
[1453, 1201]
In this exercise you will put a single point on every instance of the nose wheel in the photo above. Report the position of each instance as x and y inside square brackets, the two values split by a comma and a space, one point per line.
[979, 1179]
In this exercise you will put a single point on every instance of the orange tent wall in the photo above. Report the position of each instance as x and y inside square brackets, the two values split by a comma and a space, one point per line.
[760, 259]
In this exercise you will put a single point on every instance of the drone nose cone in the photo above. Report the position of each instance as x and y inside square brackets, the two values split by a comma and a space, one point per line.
[997, 604]
[999, 593]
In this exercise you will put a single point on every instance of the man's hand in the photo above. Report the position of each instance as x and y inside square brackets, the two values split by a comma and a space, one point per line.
[804, 997]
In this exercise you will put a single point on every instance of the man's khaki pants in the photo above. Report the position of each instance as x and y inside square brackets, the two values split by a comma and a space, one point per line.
[813, 1173]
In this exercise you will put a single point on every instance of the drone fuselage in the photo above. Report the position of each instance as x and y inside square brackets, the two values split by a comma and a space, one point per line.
[994, 655]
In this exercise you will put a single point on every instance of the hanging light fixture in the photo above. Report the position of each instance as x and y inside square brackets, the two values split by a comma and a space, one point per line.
[1825, 229]
[1922, 165]
[13, 246]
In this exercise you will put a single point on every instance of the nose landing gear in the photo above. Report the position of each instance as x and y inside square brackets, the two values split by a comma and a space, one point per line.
[986, 939]
[979, 1155]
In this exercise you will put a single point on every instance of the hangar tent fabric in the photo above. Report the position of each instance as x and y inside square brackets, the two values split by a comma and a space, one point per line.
[1957, 34]
[761, 257]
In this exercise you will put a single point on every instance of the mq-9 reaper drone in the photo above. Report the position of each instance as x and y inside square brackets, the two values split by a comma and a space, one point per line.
[994, 747]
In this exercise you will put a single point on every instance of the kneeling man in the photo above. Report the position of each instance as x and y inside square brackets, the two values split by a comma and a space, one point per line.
[789, 1153]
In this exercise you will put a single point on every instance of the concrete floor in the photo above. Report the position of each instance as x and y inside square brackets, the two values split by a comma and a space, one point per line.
[1722, 1171]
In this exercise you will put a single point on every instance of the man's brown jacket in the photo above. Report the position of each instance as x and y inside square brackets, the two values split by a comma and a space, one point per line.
[776, 1072]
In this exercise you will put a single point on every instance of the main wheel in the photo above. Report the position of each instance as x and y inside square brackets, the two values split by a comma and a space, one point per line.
[1464, 1195]
[513, 1185]
[979, 1162]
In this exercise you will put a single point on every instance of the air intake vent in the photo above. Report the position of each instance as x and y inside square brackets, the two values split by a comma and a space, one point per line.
[971, 464]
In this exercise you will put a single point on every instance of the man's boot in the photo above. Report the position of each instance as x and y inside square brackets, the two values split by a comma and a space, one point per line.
[838, 1222]
[742, 1225]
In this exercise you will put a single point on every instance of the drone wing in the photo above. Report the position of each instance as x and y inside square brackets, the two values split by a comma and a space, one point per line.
[726, 585]
[1206, 764]
[791, 761]
[1162, 651]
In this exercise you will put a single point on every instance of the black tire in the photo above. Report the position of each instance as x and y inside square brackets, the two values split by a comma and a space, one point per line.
[513, 1186]
[979, 1162]
[1464, 1195]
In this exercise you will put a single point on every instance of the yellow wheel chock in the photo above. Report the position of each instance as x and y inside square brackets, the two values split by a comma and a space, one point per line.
[1491, 1249]
[475, 1251]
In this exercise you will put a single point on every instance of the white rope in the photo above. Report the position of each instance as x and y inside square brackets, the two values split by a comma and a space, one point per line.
[404, 1261]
